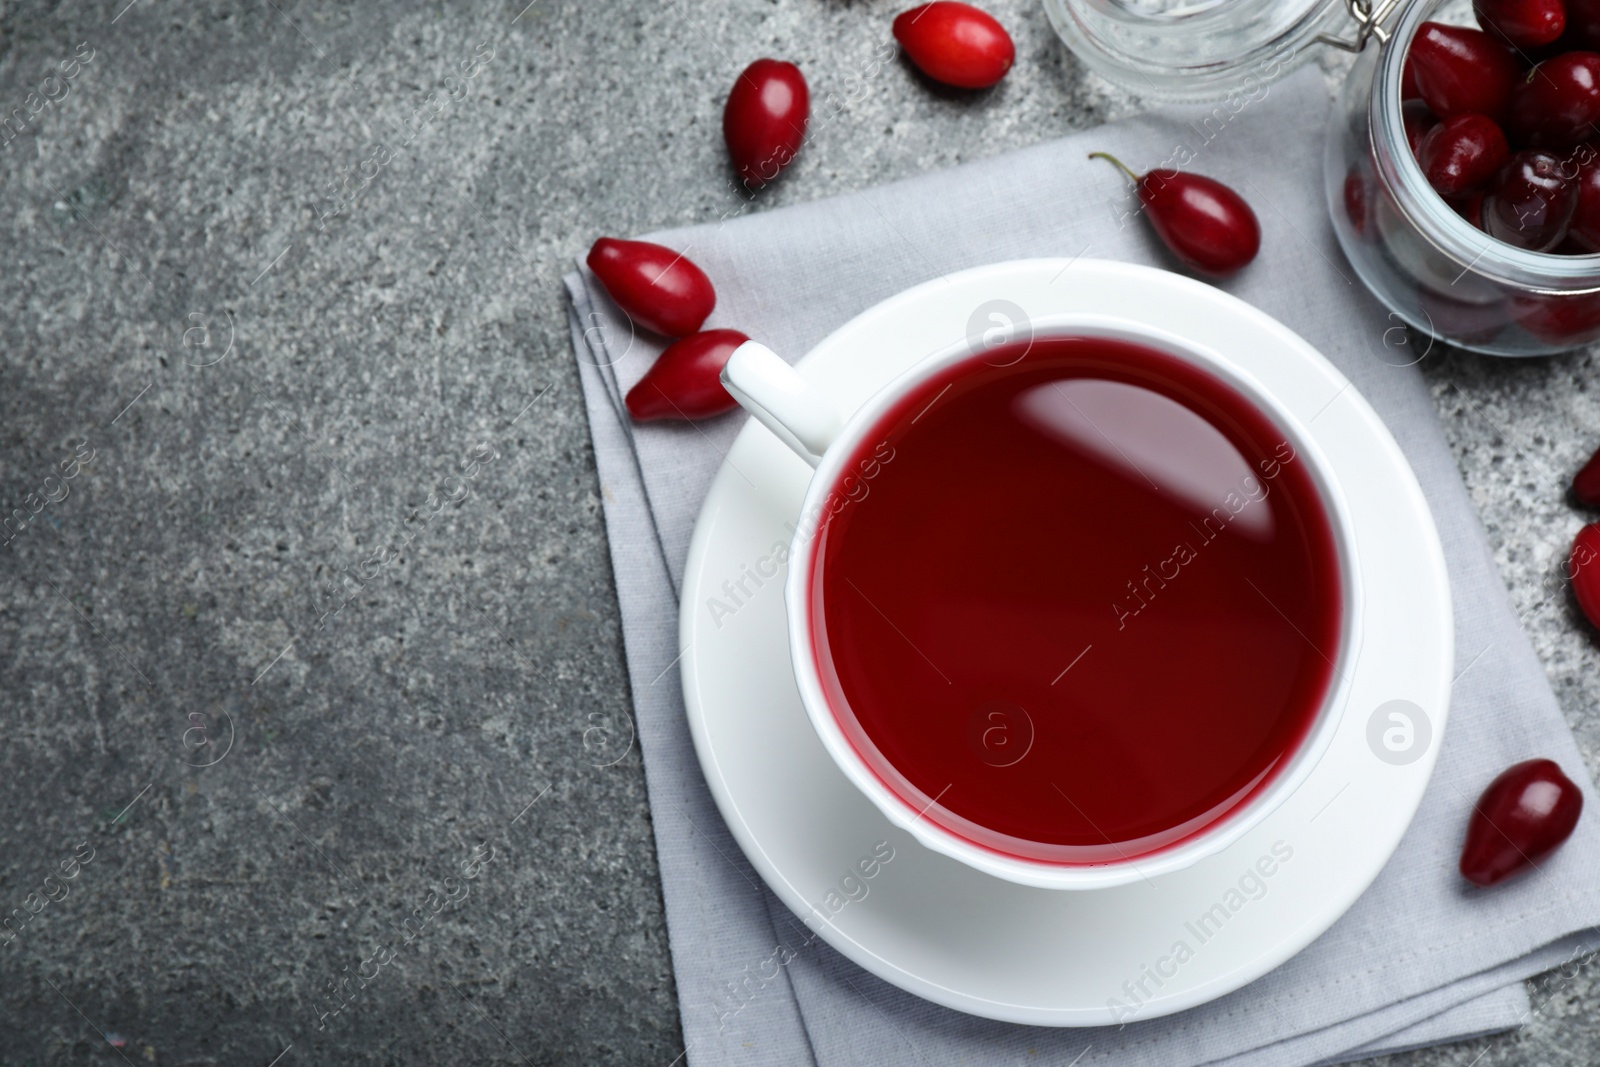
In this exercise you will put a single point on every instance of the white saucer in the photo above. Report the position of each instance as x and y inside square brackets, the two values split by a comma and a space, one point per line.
[934, 926]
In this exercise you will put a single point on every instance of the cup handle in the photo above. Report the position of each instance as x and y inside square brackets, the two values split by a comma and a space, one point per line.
[785, 403]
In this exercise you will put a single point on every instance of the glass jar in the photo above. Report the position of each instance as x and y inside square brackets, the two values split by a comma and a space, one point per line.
[1433, 268]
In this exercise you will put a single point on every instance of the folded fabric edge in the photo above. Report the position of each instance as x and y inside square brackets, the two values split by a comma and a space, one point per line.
[1356, 1036]
[702, 1042]
[1497, 1012]
[603, 366]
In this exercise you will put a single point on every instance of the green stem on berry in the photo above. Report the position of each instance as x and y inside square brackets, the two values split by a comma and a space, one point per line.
[1119, 164]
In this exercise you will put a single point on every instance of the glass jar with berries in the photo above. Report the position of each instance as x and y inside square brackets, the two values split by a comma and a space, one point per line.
[1462, 166]
[1461, 174]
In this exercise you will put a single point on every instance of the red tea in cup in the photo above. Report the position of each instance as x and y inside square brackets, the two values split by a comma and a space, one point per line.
[1081, 603]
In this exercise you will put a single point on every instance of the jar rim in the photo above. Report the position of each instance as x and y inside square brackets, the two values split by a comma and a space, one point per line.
[1436, 221]
[1177, 59]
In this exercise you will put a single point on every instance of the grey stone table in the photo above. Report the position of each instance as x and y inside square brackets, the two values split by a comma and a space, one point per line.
[280, 286]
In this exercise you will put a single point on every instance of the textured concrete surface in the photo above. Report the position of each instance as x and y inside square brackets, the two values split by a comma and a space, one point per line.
[316, 719]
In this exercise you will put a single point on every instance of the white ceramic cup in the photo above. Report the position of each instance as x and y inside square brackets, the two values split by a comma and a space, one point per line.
[809, 424]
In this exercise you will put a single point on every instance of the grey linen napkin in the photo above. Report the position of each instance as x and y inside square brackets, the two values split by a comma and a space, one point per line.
[1421, 958]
